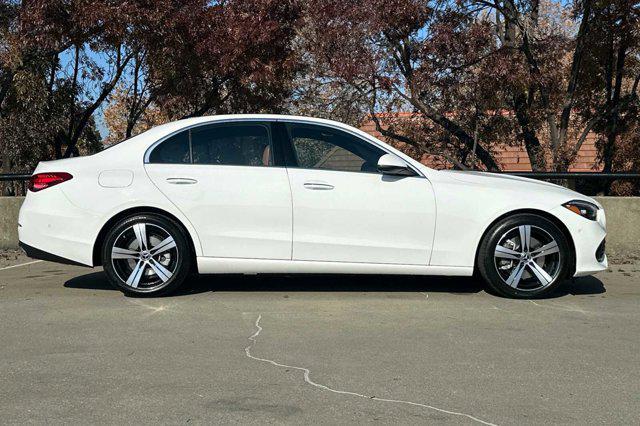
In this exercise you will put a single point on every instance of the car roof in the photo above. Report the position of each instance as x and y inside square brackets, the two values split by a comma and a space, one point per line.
[144, 142]
[187, 122]
[162, 131]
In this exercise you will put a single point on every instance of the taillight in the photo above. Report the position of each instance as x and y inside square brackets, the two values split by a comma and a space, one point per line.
[41, 181]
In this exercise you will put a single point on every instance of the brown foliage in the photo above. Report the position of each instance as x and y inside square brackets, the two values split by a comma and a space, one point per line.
[474, 75]
[234, 56]
[482, 74]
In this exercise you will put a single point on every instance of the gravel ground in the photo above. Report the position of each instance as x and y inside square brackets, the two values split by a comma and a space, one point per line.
[12, 257]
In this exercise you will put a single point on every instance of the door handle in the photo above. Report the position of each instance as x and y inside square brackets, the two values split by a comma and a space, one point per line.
[181, 181]
[318, 186]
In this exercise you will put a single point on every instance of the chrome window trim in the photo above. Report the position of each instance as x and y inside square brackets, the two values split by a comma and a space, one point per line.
[148, 151]
[354, 134]
[371, 141]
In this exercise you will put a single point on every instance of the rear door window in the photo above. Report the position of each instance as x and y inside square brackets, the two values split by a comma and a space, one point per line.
[233, 145]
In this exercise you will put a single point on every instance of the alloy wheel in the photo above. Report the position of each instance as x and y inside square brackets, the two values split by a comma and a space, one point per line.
[144, 256]
[527, 258]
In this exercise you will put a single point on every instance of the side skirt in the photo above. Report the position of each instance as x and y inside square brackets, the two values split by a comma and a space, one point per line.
[220, 265]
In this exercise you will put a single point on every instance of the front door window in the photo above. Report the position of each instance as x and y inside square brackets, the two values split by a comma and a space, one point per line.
[317, 147]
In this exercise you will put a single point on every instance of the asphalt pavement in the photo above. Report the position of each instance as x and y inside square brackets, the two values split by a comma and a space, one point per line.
[316, 349]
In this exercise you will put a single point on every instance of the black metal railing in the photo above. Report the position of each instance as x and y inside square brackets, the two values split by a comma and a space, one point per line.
[14, 177]
[574, 175]
[586, 182]
[16, 183]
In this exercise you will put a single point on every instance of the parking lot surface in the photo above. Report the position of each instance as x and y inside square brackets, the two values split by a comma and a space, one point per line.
[317, 349]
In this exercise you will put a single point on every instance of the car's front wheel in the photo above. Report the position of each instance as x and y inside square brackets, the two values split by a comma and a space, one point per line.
[523, 256]
[146, 254]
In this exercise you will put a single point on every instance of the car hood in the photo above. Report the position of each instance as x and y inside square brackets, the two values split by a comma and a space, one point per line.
[510, 182]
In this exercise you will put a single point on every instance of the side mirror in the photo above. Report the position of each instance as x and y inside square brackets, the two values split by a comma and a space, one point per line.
[389, 164]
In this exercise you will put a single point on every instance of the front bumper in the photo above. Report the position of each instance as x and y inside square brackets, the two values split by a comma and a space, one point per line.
[588, 239]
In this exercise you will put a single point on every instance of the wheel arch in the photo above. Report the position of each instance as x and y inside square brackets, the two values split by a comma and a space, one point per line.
[563, 228]
[97, 245]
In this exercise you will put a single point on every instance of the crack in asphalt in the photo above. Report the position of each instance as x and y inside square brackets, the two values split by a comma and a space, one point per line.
[307, 379]
[565, 308]
[153, 309]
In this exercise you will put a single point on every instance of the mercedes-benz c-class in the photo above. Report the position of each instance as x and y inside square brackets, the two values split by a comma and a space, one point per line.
[281, 194]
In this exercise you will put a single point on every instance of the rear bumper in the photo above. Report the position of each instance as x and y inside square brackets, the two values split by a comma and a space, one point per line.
[50, 226]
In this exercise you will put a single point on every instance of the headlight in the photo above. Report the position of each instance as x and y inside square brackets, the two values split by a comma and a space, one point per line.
[583, 208]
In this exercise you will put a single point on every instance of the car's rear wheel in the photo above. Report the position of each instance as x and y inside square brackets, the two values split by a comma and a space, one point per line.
[146, 254]
[524, 256]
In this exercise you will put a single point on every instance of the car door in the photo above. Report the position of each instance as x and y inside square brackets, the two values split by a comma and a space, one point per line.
[344, 210]
[223, 178]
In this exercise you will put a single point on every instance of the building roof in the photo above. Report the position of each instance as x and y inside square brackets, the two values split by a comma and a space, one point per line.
[515, 158]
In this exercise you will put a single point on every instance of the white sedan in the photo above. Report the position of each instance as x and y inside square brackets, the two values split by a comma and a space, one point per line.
[281, 194]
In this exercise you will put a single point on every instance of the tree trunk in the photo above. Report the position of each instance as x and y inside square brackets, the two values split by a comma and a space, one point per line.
[5, 167]
[612, 129]
[57, 145]
[531, 141]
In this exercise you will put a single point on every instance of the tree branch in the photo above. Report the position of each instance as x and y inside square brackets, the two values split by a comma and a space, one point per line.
[451, 126]
[121, 64]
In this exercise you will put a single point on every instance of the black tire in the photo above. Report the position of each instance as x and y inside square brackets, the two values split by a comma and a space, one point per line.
[155, 274]
[530, 271]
